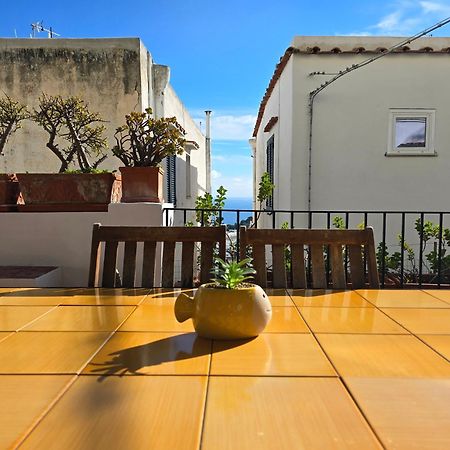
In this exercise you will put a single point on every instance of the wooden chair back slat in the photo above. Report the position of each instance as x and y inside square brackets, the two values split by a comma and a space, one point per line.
[208, 237]
[206, 261]
[94, 262]
[259, 264]
[187, 264]
[129, 264]
[168, 264]
[278, 266]
[297, 239]
[319, 280]
[337, 267]
[371, 258]
[298, 266]
[148, 264]
[356, 266]
[109, 264]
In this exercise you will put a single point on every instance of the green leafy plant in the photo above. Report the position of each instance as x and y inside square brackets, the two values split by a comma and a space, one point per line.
[208, 209]
[12, 114]
[75, 135]
[231, 275]
[265, 189]
[145, 141]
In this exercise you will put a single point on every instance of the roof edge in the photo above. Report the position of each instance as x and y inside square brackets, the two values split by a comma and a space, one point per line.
[273, 81]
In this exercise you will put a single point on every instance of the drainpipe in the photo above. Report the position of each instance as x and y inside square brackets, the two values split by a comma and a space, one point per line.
[208, 151]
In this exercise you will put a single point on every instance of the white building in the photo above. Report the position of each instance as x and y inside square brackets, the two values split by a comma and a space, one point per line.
[380, 136]
[115, 77]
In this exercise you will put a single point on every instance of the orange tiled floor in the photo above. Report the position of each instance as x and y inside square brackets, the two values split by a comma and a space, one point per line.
[84, 368]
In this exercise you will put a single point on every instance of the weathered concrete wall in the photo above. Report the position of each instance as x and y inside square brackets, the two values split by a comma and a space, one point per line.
[107, 73]
[114, 76]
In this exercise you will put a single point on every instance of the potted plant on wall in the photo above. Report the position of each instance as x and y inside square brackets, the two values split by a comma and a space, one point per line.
[75, 137]
[141, 144]
[229, 307]
[12, 114]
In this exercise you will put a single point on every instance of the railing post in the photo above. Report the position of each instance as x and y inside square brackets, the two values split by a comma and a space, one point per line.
[402, 251]
[441, 223]
[421, 248]
[383, 251]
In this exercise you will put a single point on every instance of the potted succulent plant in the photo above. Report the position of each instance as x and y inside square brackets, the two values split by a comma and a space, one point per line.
[75, 137]
[12, 114]
[141, 144]
[229, 307]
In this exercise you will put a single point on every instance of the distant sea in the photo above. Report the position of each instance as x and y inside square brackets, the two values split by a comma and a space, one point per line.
[237, 203]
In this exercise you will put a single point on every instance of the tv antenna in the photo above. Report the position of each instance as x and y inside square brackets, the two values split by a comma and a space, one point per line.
[38, 27]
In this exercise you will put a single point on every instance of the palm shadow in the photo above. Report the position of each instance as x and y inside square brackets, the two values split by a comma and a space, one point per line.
[129, 361]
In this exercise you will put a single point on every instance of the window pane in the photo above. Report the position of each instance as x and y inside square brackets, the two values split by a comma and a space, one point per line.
[410, 132]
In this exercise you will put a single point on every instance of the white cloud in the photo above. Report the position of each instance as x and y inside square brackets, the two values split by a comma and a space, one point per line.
[230, 127]
[236, 186]
[408, 17]
[215, 174]
[435, 7]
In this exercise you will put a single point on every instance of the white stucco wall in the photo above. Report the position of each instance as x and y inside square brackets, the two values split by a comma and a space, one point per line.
[64, 239]
[174, 107]
[351, 124]
[280, 104]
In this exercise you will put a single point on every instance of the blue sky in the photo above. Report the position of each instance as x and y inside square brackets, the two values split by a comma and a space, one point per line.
[222, 53]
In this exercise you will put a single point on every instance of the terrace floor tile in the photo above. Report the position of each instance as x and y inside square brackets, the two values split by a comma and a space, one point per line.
[37, 296]
[283, 413]
[279, 297]
[419, 417]
[48, 352]
[103, 297]
[14, 317]
[271, 354]
[82, 318]
[349, 320]
[347, 299]
[385, 356]
[440, 343]
[422, 321]
[286, 319]
[24, 400]
[441, 294]
[161, 297]
[402, 299]
[152, 353]
[125, 413]
[157, 318]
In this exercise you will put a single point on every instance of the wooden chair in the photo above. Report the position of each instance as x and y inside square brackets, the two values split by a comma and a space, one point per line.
[357, 242]
[208, 237]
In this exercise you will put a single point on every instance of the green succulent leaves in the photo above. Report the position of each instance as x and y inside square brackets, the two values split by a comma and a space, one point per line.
[231, 274]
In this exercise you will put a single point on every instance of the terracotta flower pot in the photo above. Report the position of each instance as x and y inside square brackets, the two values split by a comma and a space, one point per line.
[142, 184]
[66, 188]
[9, 189]
[225, 313]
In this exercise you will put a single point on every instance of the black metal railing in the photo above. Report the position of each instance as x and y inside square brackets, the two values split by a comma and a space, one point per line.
[413, 247]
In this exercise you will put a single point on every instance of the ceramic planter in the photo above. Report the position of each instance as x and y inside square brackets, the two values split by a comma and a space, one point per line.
[225, 313]
[9, 189]
[66, 188]
[142, 184]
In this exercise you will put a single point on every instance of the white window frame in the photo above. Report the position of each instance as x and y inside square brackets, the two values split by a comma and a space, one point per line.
[398, 113]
